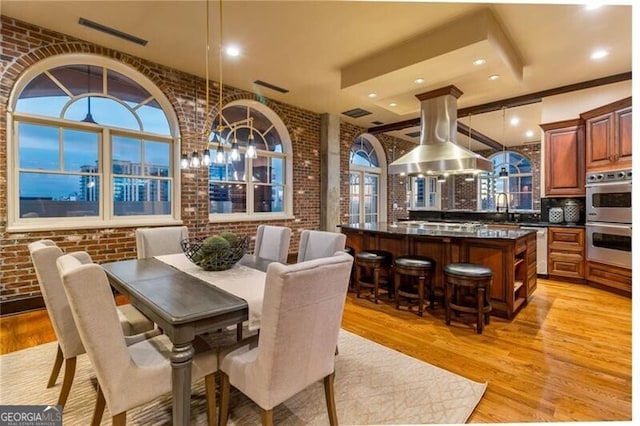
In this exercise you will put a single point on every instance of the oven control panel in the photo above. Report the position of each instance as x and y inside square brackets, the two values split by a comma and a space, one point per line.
[611, 176]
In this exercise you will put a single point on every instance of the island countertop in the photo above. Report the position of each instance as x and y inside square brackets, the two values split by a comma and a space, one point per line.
[440, 229]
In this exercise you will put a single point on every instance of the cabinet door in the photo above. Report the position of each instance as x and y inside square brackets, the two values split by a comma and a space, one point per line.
[622, 140]
[600, 138]
[564, 161]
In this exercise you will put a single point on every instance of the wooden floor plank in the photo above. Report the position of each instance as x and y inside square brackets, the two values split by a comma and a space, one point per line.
[565, 357]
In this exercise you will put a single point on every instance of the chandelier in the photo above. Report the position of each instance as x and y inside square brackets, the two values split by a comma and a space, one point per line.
[203, 159]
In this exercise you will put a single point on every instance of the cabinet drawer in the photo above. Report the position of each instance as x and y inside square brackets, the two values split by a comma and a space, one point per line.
[566, 267]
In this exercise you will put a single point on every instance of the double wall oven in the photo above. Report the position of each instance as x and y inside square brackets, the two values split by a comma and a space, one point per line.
[608, 213]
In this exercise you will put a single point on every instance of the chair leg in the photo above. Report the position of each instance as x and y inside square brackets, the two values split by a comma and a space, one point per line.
[396, 286]
[69, 371]
[120, 419]
[267, 417]
[224, 400]
[238, 331]
[210, 387]
[376, 283]
[330, 397]
[99, 408]
[479, 307]
[358, 276]
[56, 368]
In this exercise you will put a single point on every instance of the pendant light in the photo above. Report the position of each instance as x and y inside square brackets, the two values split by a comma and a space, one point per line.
[504, 174]
[89, 118]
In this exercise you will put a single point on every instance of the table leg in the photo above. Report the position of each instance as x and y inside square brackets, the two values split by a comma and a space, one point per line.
[181, 358]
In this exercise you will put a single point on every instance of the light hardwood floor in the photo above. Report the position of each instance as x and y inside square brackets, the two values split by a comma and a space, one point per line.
[565, 357]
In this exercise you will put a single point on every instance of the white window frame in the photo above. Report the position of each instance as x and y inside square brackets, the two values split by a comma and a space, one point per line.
[413, 193]
[104, 220]
[495, 178]
[287, 154]
[381, 171]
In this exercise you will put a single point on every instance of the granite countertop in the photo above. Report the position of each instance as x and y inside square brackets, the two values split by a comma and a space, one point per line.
[433, 229]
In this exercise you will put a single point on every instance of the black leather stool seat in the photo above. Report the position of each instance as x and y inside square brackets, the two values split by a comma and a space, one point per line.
[373, 270]
[468, 270]
[468, 289]
[418, 271]
[415, 261]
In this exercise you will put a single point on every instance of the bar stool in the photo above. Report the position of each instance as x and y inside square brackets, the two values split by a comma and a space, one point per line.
[413, 266]
[477, 280]
[369, 265]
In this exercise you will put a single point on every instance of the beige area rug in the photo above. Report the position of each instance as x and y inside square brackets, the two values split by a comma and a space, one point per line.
[374, 385]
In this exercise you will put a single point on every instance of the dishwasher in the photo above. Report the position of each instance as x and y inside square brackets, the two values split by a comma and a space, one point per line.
[541, 248]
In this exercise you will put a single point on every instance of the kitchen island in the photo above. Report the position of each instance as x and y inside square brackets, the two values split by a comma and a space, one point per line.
[510, 253]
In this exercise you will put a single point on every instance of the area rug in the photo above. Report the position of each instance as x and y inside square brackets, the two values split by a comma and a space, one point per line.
[373, 385]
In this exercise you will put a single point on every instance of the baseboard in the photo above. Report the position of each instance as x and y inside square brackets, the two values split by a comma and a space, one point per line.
[21, 305]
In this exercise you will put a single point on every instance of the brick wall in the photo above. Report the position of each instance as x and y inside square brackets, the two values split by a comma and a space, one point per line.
[23, 44]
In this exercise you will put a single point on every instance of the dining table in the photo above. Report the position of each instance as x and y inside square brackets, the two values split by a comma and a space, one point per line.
[184, 300]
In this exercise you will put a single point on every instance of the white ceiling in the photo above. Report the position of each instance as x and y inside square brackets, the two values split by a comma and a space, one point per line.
[315, 48]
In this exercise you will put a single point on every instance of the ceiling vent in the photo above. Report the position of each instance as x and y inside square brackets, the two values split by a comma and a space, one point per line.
[377, 123]
[112, 31]
[270, 86]
[413, 134]
[356, 113]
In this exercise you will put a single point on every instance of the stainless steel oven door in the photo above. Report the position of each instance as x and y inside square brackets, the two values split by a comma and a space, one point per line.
[609, 202]
[609, 243]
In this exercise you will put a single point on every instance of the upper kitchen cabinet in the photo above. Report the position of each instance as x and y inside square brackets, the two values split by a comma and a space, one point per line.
[564, 158]
[608, 136]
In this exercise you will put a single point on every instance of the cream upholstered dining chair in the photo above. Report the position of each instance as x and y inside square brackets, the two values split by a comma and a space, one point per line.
[298, 336]
[160, 241]
[129, 375]
[272, 242]
[318, 244]
[44, 254]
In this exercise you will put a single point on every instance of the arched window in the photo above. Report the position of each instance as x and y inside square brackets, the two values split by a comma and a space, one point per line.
[367, 181]
[92, 145]
[518, 185]
[248, 188]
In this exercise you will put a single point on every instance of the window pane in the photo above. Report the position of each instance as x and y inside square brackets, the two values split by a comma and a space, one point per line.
[54, 195]
[42, 96]
[153, 120]
[105, 112]
[39, 147]
[157, 157]
[133, 196]
[227, 198]
[267, 198]
[126, 155]
[80, 151]
[229, 172]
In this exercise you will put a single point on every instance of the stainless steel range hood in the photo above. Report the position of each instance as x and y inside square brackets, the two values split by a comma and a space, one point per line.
[438, 152]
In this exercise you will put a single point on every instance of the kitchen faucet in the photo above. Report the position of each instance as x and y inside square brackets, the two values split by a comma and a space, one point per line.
[506, 202]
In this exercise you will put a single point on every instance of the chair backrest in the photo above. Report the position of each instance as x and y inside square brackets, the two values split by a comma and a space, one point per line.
[318, 244]
[94, 311]
[300, 325]
[160, 241]
[44, 254]
[272, 242]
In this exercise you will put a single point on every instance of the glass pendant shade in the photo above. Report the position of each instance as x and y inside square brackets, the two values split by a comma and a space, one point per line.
[184, 161]
[251, 148]
[235, 153]
[206, 157]
[195, 160]
[219, 154]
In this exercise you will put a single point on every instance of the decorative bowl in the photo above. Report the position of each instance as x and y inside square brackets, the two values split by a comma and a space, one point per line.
[215, 258]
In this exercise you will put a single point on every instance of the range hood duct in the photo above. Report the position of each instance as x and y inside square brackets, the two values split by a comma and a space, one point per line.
[438, 152]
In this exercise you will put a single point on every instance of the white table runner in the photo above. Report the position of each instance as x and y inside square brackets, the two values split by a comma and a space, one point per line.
[241, 281]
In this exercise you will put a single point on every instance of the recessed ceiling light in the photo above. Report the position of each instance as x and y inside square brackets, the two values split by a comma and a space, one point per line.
[419, 80]
[233, 51]
[372, 95]
[393, 104]
[494, 77]
[599, 54]
[479, 61]
[593, 6]
[514, 121]
[529, 133]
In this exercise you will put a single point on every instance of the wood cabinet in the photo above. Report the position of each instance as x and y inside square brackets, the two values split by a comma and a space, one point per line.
[564, 144]
[566, 252]
[608, 136]
[609, 277]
